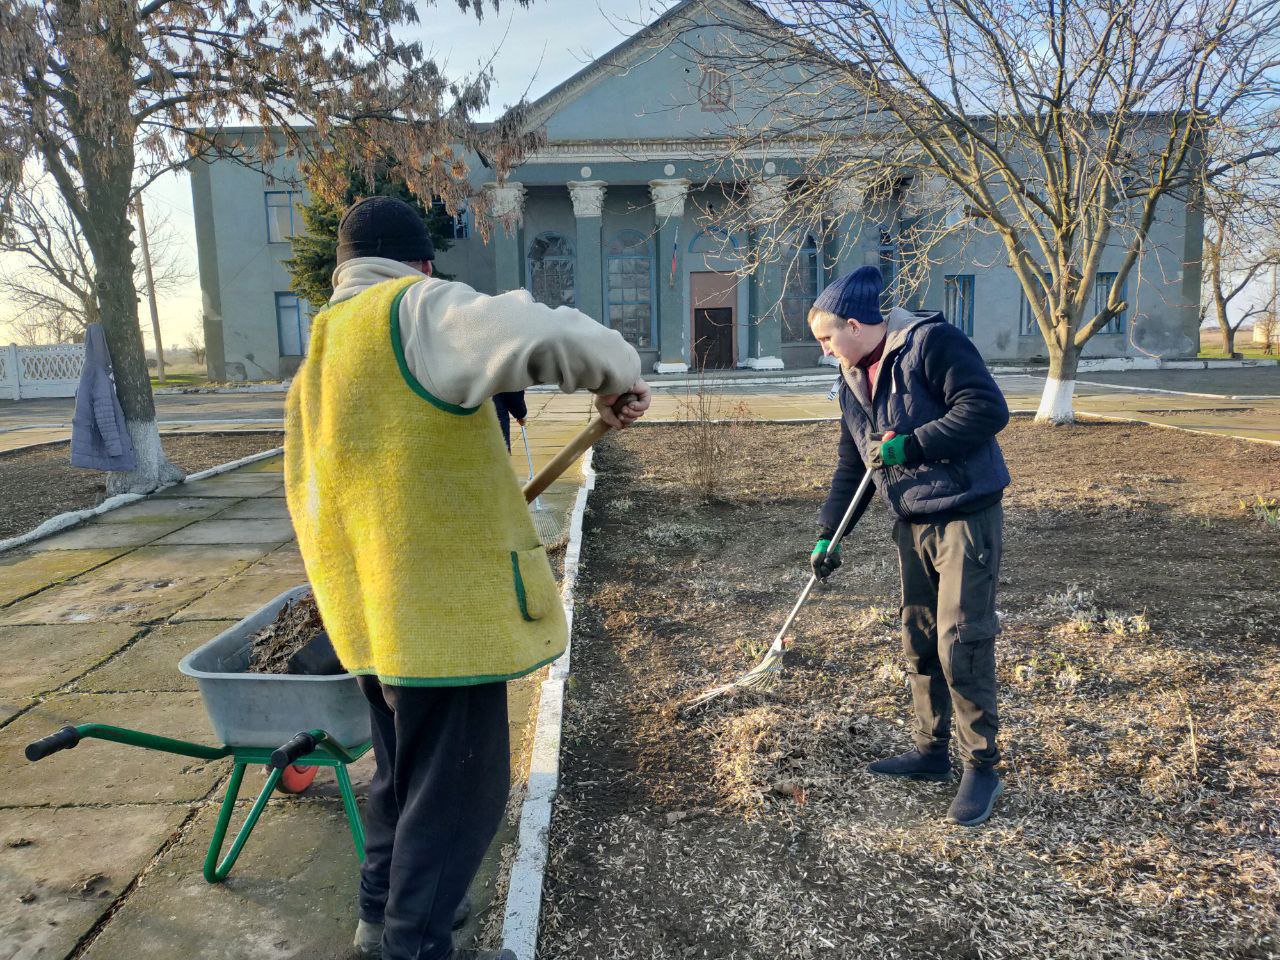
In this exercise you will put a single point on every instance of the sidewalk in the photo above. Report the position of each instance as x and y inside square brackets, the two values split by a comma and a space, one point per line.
[100, 847]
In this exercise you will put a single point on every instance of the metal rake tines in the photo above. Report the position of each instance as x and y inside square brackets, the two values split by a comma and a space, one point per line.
[761, 677]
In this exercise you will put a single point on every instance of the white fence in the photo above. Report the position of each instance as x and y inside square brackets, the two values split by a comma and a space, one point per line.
[52, 371]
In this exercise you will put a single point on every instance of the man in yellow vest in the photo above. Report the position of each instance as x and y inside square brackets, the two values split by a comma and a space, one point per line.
[418, 544]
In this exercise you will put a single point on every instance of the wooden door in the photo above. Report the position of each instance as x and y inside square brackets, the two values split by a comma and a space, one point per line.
[714, 297]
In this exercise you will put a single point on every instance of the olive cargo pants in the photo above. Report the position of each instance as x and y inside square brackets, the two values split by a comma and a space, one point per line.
[949, 574]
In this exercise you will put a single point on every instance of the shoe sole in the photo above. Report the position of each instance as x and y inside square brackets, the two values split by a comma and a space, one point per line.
[985, 815]
[924, 777]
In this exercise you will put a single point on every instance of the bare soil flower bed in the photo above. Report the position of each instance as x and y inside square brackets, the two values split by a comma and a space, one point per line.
[41, 483]
[1140, 706]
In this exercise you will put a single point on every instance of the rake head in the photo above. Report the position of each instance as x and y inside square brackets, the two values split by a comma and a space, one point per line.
[547, 522]
[763, 676]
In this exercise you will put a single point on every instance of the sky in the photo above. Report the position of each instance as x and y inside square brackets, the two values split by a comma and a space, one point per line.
[537, 48]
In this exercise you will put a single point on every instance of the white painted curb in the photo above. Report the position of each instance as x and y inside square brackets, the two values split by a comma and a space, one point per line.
[73, 518]
[524, 891]
[1174, 426]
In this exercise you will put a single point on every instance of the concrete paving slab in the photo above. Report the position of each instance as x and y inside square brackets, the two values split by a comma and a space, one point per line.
[151, 661]
[240, 596]
[223, 485]
[26, 571]
[165, 509]
[216, 561]
[292, 895]
[40, 659]
[94, 534]
[60, 871]
[97, 772]
[269, 465]
[103, 598]
[258, 508]
[232, 531]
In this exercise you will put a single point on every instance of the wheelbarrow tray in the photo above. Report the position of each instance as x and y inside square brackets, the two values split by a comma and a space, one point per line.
[265, 710]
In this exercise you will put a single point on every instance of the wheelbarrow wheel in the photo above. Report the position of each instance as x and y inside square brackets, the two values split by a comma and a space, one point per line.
[294, 779]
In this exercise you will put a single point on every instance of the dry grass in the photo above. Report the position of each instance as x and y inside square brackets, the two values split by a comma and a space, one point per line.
[1140, 697]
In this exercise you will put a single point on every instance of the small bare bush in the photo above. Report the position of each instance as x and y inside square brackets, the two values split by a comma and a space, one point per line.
[709, 436]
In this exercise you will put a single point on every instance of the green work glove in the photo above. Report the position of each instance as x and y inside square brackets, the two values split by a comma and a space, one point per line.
[824, 564]
[890, 453]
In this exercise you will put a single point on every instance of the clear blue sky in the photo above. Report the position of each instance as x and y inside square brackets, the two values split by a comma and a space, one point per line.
[537, 48]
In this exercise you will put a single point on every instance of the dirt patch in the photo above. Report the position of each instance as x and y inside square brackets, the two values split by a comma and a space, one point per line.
[1140, 699]
[40, 483]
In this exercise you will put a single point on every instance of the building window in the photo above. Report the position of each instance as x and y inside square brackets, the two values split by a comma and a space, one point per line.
[959, 297]
[629, 271]
[799, 291]
[292, 326]
[282, 219]
[457, 225]
[1101, 291]
[1027, 325]
[551, 270]
[715, 89]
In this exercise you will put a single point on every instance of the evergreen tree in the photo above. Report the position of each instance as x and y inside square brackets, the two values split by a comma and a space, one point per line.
[315, 249]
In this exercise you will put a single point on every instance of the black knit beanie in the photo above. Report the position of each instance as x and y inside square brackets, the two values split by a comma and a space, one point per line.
[384, 227]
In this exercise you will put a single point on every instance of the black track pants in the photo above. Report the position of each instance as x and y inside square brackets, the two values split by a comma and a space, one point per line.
[435, 803]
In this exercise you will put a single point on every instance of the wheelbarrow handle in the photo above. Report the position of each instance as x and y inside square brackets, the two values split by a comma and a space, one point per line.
[301, 745]
[64, 739]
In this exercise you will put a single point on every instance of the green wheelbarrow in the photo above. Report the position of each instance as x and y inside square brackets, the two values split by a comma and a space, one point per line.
[256, 716]
[297, 760]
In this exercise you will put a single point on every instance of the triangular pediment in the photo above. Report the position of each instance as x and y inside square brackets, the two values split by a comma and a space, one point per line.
[662, 83]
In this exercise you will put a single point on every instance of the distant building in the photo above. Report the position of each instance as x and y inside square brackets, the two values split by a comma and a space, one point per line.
[616, 217]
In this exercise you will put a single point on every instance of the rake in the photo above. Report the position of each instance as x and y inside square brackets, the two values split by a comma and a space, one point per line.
[766, 673]
[546, 520]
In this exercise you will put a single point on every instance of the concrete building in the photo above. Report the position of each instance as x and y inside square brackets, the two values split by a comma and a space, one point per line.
[616, 215]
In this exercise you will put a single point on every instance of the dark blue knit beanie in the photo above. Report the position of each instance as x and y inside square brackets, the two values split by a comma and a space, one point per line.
[855, 295]
[384, 227]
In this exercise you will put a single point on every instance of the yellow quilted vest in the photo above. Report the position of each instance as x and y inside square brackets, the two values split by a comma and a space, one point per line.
[416, 538]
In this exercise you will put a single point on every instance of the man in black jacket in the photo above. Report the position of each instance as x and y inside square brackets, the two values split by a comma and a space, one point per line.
[919, 406]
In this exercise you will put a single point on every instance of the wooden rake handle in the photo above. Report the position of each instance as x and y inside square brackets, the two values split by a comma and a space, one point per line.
[586, 438]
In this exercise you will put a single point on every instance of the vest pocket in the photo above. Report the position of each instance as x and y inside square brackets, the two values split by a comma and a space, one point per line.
[534, 583]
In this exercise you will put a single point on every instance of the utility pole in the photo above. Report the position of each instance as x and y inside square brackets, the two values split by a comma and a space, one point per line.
[151, 289]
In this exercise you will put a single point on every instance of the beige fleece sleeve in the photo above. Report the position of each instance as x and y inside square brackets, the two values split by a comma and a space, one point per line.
[464, 346]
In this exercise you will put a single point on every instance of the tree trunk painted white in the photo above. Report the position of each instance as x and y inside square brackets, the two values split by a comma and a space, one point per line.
[154, 469]
[1056, 403]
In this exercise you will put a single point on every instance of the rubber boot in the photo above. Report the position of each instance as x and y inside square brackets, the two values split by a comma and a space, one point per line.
[976, 798]
[368, 941]
[916, 764]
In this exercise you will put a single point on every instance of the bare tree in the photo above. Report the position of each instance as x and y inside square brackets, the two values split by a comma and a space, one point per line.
[107, 95]
[1242, 241]
[1266, 329]
[195, 344]
[1046, 135]
[51, 284]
